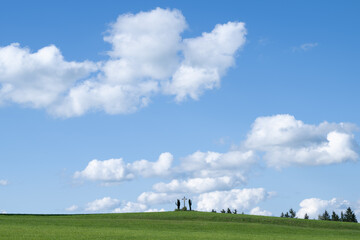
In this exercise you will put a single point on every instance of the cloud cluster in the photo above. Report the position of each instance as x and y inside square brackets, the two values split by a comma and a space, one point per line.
[153, 198]
[240, 199]
[287, 141]
[213, 179]
[196, 185]
[115, 170]
[148, 57]
[114, 205]
[313, 207]
[39, 79]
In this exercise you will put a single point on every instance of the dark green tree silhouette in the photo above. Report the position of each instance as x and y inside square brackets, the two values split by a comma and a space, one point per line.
[282, 215]
[287, 215]
[349, 216]
[228, 210]
[235, 211]
[325, 216]
[306, 216]
[190, 204]
[292, 213]
[334, 216]
[222, 211]
[177, 203]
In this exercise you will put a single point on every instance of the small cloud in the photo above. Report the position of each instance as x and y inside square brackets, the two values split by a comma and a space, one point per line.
[3, 182]
[131, 207]
[72, 208]
[103, 204]
[305, 47]
[258, 211]
[155, 210]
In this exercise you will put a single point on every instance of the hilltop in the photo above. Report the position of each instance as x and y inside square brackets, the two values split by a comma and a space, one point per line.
[170, 225]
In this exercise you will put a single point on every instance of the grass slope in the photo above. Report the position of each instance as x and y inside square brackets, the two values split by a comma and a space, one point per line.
[169, 226]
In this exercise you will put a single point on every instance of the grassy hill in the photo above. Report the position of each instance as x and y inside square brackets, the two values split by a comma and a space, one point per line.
[169, 226]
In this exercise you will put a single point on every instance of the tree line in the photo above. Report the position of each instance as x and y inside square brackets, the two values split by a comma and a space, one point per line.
[348, 216]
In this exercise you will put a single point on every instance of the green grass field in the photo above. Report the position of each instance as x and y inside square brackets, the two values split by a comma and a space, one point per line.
[170, 225]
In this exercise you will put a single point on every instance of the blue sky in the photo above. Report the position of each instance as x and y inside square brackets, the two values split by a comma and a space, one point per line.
[116, 107]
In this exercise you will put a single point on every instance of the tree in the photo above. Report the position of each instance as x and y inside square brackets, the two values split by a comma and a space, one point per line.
[213, 210]
[306, 216]
[282, 215]
[177, 203]
[235, 211]
[292, 213]
[342, 216]
[325, 216]
[190, 204]
[349, 216]
[334, 216]
[287, 215]
[228, 210]
[222, 211]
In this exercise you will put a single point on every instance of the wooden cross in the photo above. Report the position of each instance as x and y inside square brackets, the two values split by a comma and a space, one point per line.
[184, 200]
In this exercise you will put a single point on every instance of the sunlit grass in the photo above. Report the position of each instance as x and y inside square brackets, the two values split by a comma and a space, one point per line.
[170, 225]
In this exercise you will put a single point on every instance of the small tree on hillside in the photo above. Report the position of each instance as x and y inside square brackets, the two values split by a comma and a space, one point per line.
[292, 213]
[190, 204]
[235, 211]
[334, 216]
[287, 215]
[223, 211]
[282, 215]
[349, 216]
[325, 216]
[306, 216]
[228, 210]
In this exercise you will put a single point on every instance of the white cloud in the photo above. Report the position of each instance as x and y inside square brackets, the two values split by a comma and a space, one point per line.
[153, 198]
[148, 169]
[148, 43]
[72, 208]
[315, 206]
[40, 79]
[196, 185]
[214, 164]
[208, 171]
[131, 207]
[115, 170]
[3, 182]
[155, 210]
[148, 57]
[206, 59]
[287, 141]
[112, 170]
[240, 199]
[258, 211]
[103, 204]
